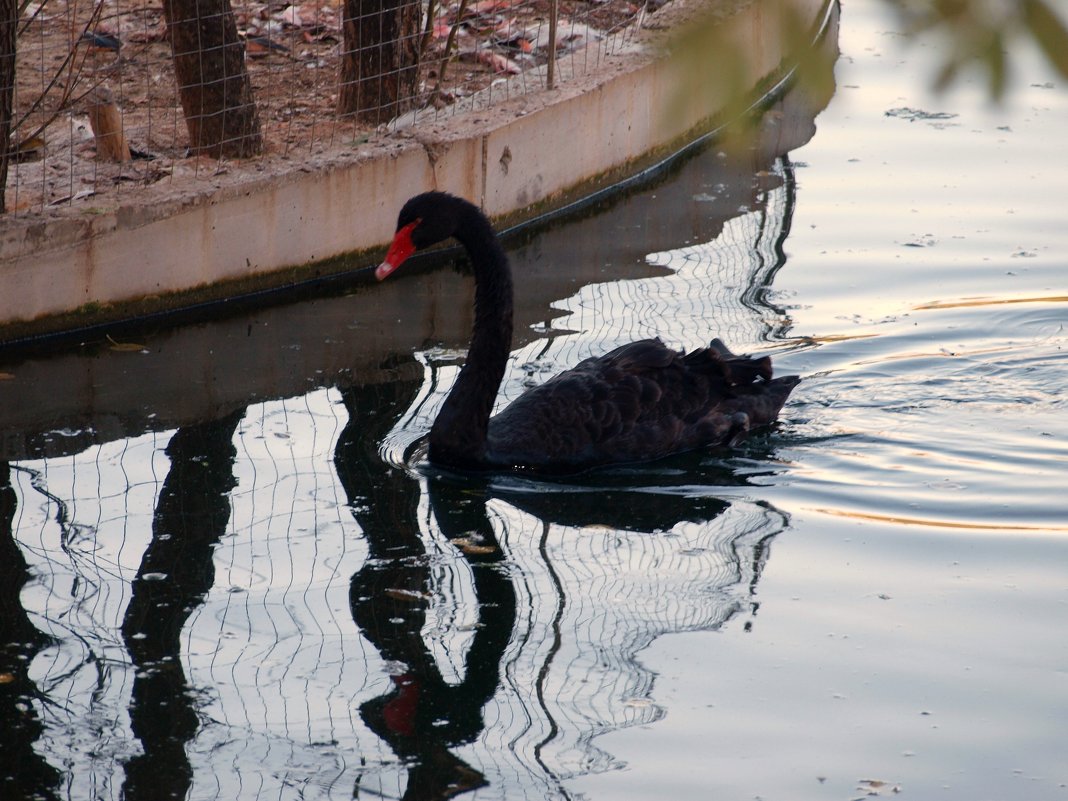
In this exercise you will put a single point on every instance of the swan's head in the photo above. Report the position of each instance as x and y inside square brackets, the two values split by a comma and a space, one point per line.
[425, 220]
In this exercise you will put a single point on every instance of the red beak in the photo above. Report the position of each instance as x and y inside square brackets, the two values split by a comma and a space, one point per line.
[399, 251]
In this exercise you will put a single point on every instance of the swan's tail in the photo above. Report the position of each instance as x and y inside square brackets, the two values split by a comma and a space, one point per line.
[736, 370]
[762, 401]
[755, 392]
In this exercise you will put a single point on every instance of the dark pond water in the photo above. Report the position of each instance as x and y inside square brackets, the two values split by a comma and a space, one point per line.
[226, 574]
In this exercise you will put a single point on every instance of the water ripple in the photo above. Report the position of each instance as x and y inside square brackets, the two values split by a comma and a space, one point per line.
[939, 421]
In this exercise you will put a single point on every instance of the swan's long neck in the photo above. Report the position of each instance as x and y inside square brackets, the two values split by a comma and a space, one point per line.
[458, 436]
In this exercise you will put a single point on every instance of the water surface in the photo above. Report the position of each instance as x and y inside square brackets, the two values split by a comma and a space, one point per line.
[227, 575]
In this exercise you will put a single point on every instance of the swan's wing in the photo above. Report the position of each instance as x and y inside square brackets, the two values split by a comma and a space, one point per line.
[638, 402]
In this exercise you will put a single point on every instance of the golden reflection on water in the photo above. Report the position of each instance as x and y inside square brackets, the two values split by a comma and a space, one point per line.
[902, 520]
[941, 353]
[970, 302]
[826, 338]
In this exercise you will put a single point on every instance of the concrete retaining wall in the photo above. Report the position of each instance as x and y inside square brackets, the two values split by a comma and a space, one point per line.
[74, 268]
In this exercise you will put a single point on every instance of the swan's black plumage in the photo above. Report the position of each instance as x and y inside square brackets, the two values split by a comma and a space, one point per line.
[639, 402]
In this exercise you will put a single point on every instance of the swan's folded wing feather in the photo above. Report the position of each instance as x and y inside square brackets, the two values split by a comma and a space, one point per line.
[638, 402]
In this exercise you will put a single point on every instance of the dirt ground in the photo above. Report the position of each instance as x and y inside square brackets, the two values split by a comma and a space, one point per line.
[69, 49]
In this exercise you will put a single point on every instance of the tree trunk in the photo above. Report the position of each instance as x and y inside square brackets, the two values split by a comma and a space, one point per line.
[209, 64]
[9, 16]
[380, 59]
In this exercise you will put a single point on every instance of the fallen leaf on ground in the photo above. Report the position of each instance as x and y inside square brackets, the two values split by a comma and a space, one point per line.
[156, 34]
[497, 62]
[489, 6]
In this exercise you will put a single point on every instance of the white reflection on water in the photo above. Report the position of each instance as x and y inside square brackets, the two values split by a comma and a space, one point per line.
[876, 591]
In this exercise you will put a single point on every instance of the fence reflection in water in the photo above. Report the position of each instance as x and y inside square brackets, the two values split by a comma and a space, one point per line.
[275, 645]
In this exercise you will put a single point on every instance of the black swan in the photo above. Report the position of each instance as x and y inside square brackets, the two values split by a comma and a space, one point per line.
[640, 402]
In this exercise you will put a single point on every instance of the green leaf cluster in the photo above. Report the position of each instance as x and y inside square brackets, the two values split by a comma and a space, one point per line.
[985, 33]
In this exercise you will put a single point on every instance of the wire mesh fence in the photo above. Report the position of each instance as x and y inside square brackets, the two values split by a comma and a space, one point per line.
[118, 94]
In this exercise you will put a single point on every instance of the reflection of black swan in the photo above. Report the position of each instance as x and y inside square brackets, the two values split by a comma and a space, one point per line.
[642, 401]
